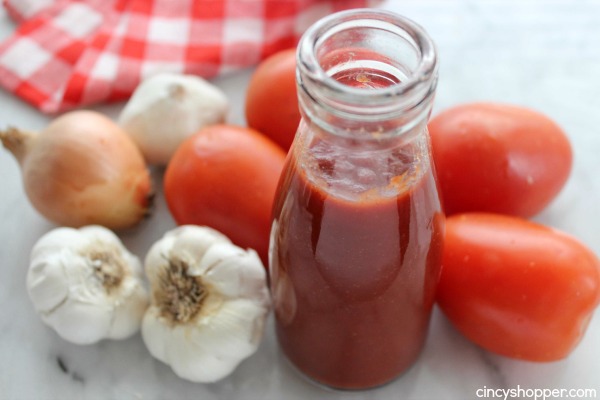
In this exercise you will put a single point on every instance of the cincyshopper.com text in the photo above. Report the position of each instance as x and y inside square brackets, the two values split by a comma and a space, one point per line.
[536, 394]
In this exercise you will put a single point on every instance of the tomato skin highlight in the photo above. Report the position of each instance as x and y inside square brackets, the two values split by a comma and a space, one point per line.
[225, 177]
[271, 105]
[517, 288]
[498, 158]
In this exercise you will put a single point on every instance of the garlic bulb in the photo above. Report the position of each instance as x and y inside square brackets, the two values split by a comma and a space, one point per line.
[167, 108]
[86, 285]
[209, 303]
[82, 169]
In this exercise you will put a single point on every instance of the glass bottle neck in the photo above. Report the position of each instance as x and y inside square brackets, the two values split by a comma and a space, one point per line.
[366, 75]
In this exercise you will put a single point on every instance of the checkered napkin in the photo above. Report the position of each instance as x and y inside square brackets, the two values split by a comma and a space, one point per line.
[68, 53]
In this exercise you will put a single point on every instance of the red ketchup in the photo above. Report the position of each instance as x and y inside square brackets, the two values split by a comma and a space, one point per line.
[355, 246]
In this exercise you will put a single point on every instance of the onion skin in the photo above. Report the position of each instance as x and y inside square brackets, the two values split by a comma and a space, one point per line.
[82, 170]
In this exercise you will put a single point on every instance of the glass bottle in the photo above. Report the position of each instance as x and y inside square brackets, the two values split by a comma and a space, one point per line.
[357, 223]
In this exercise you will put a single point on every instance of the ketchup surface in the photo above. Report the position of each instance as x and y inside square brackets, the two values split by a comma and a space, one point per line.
[355, 258]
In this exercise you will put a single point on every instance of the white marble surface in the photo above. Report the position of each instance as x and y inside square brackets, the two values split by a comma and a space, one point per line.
[543, 54]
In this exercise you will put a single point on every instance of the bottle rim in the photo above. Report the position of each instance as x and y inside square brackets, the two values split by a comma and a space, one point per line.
[407, 94]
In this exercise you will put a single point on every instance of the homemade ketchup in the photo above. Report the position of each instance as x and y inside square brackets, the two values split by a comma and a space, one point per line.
[357, 223]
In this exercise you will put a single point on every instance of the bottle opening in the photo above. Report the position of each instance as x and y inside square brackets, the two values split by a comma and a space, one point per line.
[368, 63]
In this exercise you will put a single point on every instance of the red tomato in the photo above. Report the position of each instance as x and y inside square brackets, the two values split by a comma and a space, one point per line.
[498, 158]
[515, 287]
[225, 177]
[271, 100]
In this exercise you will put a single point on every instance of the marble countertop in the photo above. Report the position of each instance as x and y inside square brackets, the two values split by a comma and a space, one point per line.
[542, 54]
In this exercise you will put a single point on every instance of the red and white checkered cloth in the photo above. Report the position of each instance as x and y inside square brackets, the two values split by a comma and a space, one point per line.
[68, 53]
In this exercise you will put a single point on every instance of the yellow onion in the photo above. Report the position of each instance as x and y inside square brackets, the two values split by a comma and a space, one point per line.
[82, 169]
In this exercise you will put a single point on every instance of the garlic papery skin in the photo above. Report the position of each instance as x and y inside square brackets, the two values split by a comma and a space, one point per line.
[86, 285]
[167, 108]
[83, 169]
[209, 303]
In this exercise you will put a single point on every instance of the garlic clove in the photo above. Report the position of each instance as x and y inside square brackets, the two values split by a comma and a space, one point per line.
[233, 332]
[196, 363]
[47, 285]
[219, 265]
[193, 244]
[207, 368]
[52, 245]
[103, 235]
[210, 354]
[128, 314]
[156, 334]
[233, 271]
[158, 253]
[80, 322]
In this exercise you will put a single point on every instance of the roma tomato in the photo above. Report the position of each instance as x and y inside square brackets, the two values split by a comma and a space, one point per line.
[515, 287]
[225, 177]
[498, 158]
[271, 100]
